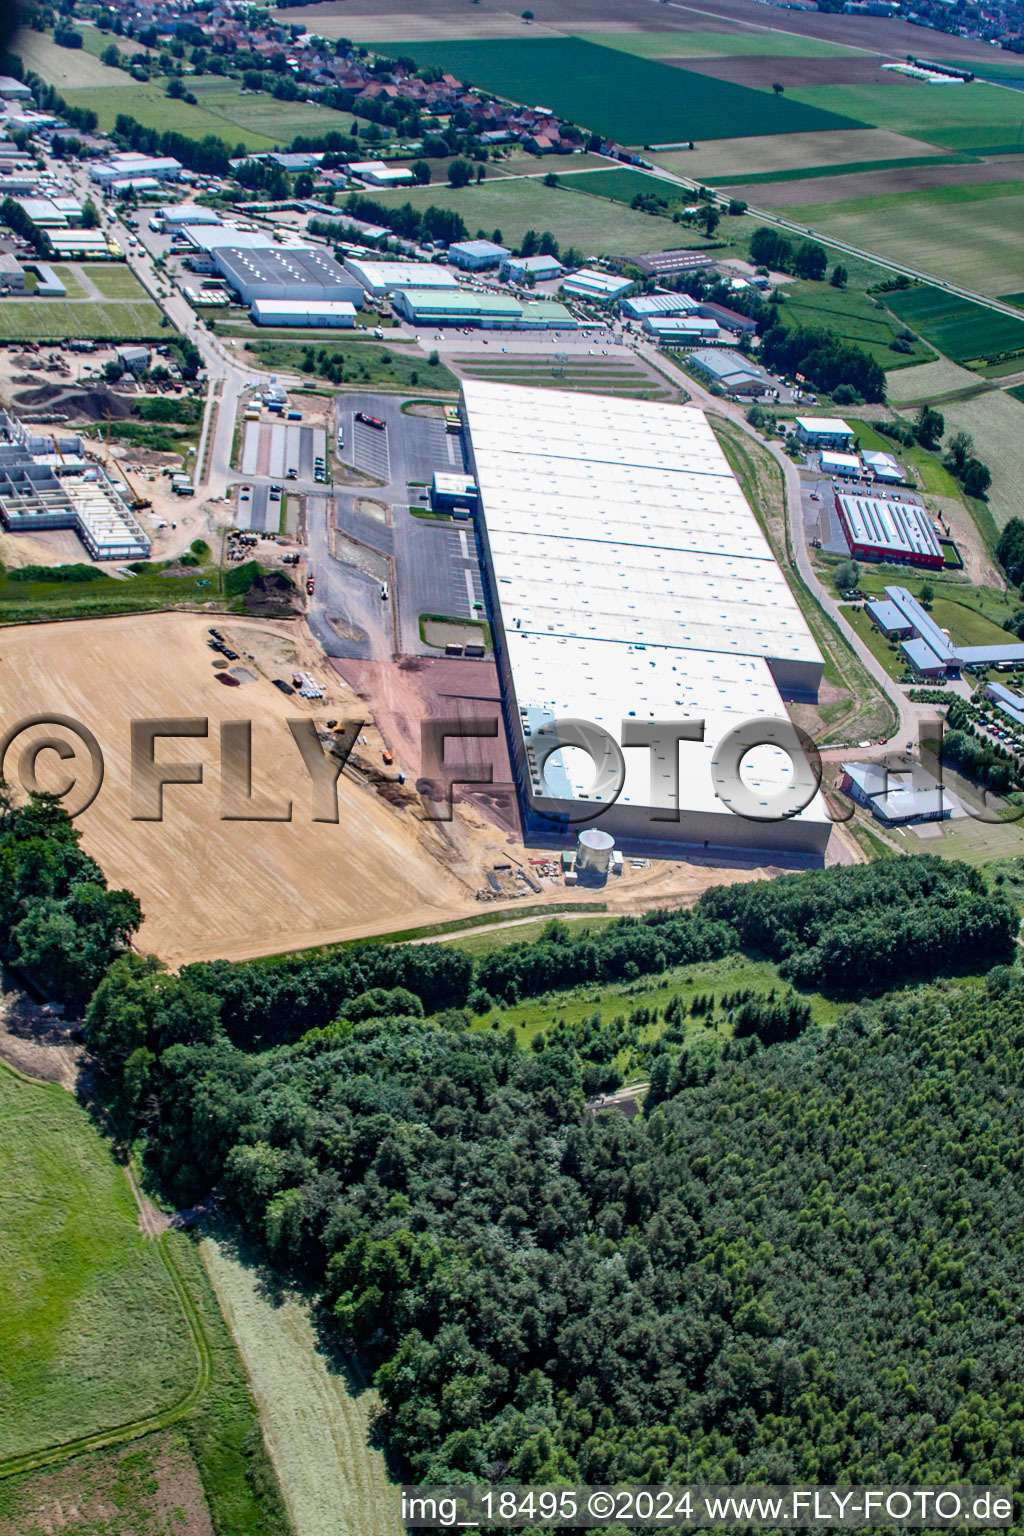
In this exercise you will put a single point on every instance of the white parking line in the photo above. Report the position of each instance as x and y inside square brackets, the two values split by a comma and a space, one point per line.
[464, 542]
[469, 590]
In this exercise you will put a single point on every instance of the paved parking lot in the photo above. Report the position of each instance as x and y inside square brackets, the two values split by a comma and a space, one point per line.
[273, 448]
[369, 449]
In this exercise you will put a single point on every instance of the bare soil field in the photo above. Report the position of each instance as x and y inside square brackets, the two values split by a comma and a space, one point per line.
[317, 1418]
[211, 887]
[412, 26]
[443, 18]
[790, 152]
[893, 182]
[761, 70]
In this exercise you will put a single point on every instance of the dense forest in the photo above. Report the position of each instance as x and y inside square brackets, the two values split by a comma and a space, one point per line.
[800, 1261]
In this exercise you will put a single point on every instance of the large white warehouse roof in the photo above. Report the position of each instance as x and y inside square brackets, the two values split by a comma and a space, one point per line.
[633, 581]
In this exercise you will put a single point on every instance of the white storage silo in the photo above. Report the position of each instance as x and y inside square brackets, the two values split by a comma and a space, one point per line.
[594, 851]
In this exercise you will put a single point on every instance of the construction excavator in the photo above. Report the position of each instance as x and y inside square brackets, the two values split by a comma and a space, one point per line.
[136, 500]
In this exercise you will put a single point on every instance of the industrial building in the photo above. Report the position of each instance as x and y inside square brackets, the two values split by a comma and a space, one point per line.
[48, 284]
[526, 269]
[326, 312]
[889, 619]
[380, 278]
[846, 466]
[477, 255]
[682, 330]
[118, 169]
[12, 273]
[588, 284]
[85, 245]
[895, 799]
[489, 311]
[883, 467]
[46, 483]
[644, 304]
[629, 583]
[878, 529]
[671, 263]
[188, 213]
[52, 212]
[931, 653]
[824, 432]
[298, 273]
[1010, 703]
[198, 242]
[376, 174]
[730, 371]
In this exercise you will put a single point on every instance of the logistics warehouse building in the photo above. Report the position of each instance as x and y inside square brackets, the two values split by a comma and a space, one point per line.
[630, 582]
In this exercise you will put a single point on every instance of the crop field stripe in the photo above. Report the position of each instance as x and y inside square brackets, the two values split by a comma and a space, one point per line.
[850, 168]
[964, 331]
[713, 45]
[634, 100]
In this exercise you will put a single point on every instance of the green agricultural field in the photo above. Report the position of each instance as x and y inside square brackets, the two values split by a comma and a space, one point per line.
[975, 117]
[965, 235]
[92, 1334]
[634, 100]
[591, 225]
[715, 45]
[58, 319]
[366, 366]
[964, 331]
[849, 313]
[623, 184]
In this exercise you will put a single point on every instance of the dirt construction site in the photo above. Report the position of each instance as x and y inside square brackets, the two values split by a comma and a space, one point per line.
[238, 888]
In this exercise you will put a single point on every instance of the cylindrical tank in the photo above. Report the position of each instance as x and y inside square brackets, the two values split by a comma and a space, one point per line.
[594, 851]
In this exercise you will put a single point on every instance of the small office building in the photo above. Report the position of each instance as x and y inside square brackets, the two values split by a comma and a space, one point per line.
[450, 493]
[324, 312]
[846, 466]
[531, 269]
[477, 255]
[824, 432]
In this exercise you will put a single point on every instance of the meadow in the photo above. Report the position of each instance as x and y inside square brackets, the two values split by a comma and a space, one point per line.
[317, 1416]
[92, 1332]
[732, 972]
[366, 366]
[930, 381]
[58, 319]
[964, 331]
[974, 117]
[851, 314]
[965, 235]
[116, 282]
[635, 100]
[592, 376]
[592, 225]
[996, 422]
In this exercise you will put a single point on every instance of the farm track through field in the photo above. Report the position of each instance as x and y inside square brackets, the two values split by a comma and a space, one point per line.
[133, 1429]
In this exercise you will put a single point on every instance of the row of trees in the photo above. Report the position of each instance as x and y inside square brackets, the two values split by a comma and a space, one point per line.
[770, 248]
[209, 156]
[15, 217]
